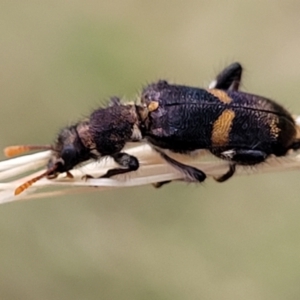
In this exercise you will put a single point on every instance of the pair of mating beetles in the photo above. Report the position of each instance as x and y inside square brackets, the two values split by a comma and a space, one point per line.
[241, 128]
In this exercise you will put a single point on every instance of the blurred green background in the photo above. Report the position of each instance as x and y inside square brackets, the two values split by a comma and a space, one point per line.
[61, 59]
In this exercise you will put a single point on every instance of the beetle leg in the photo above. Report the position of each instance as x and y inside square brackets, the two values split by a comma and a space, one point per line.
[295, 145]
[244, 156]
[227, 175]
[128, 163]
[191, 174]
[229, 79]
[157, 185]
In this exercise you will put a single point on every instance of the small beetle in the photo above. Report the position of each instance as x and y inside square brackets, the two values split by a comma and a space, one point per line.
[242, 128]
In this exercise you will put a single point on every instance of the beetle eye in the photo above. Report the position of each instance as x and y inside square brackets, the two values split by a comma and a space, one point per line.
[69, 157]
[68, 152]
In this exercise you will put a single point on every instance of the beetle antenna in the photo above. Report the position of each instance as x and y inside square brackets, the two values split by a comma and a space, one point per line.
[31, 181]
[19, 149]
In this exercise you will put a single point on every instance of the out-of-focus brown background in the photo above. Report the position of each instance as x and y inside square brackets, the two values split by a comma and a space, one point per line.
[60, 60]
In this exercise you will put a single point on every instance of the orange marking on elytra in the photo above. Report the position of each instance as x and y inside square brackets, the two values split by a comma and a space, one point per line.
[221, 128]
[275, 130]
[221, 95]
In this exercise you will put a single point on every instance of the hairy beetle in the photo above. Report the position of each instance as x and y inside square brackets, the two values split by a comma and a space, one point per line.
[238, 127]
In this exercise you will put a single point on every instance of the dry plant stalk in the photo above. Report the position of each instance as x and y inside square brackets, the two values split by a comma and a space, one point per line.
[152, 169]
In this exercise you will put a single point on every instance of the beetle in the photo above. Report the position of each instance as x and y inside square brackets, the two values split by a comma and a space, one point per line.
[241, 128]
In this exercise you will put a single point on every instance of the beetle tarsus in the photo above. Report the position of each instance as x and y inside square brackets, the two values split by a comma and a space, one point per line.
[191, 174]
[227, 175]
